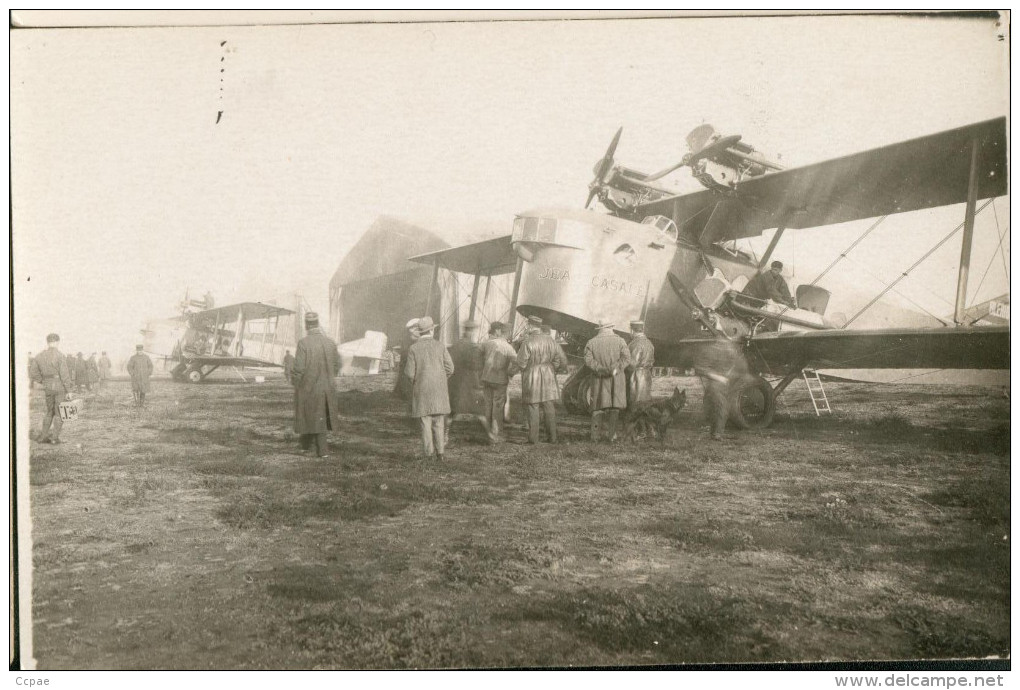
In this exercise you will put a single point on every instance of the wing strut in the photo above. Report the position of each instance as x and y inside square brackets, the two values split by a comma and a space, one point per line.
[968, 236]
[772, 247]
[917, 263]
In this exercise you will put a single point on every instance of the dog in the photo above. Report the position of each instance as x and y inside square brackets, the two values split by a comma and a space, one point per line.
[652, 418]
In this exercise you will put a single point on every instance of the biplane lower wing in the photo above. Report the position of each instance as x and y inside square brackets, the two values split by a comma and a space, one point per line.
[226, 361]
[888, 348]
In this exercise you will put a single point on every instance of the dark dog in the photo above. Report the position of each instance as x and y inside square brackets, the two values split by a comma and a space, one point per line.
[654, 417]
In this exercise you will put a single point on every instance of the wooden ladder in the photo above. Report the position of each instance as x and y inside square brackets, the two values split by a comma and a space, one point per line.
[816, 390]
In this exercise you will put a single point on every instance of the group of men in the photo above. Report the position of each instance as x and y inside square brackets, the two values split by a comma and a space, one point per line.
[64, 376]
[472, 379]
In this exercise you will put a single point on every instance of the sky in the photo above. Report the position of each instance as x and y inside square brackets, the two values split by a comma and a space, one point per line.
[129, 187]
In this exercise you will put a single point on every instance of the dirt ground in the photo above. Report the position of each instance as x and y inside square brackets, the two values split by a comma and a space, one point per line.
[193, 534]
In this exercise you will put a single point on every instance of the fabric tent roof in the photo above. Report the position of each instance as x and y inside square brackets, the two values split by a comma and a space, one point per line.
[384, 249]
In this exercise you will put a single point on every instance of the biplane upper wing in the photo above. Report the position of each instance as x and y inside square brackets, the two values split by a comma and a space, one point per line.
[489, 257]
[979, 347]
[921, 173]
[250, 311]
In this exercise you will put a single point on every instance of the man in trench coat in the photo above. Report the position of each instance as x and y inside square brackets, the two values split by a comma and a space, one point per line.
[466, 394]
[539, 358]
[288, 366]
[140, 369]
[608, 356]
[639, 373]
[104, 370]
[316, 404]
[428, 367]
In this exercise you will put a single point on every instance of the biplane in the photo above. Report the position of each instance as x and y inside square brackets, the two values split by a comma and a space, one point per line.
[671, 260]
[248, 334]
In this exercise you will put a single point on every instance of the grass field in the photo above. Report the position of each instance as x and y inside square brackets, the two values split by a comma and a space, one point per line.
[191, 534]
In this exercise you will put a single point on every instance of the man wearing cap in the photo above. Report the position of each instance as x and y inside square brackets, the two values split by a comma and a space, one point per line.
[316, 407]
[81, 373]
[466, 396]
[429, 366]
[720, 365]
[140, 369]
[49, 368]
[498, 363]
[770, 285]
[608, 357]
[639, 373]
[539, 358]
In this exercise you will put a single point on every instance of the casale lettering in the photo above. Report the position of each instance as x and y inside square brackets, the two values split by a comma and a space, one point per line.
[549, 273]
[606, 283]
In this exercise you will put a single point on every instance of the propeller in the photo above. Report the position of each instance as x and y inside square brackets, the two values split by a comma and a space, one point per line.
[602, 168]
[685, 296]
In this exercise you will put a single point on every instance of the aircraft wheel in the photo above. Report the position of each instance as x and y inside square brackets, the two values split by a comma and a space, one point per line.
[753, 405]
[194, 375]
[577, 393]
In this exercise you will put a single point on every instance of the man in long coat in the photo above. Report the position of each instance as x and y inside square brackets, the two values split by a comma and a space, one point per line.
[608, 357]
[639, 373]
[429, 366]
[93, 371]
[465, 385]
[539, 358]
[49, 368]
[316, 407]
[720, 365]
[498, 362]
[140, 369]
[104, 369]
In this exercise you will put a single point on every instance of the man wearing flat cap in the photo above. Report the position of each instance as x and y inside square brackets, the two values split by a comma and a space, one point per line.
[539, 358]
[607, 356]
[316, 404]
[140, 369]
[428, 367]
[639, 373]
[770, 285]
[49, 368]
[498, 363]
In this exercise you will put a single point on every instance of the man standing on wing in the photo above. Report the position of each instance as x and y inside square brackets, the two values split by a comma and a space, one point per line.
[608, 357]
[316, 407]
[49, 368]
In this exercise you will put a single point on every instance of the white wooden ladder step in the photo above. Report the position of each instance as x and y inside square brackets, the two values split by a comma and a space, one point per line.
[819, 400]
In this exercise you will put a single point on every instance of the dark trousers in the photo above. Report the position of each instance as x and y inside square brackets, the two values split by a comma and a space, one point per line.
[52, 417]
[495, 401]
[717, 404]
[534, 409]
[321, 442]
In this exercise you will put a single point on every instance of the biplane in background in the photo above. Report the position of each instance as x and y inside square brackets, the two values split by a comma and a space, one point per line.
[198, 342]
[671, 259]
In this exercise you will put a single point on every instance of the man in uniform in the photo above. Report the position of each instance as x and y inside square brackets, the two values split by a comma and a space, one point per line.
[770, 285]
[93, 371]
[466, 396]
[720, 365]
[498, 363]
[288, 366]
[140, 369]
[428, 367]
[30, 381]
[104, 370]
[81, 372]
[639, 373]
[608, 357]
[316, 407]
[539, 358]
[49, 368]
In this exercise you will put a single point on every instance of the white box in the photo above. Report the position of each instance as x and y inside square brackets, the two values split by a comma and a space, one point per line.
[69, 409]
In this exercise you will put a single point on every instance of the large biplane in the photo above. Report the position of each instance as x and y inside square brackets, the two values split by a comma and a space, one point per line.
[248, 334]
[670, 259]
